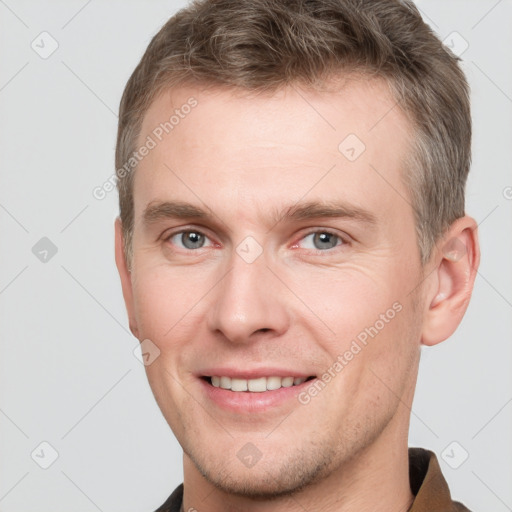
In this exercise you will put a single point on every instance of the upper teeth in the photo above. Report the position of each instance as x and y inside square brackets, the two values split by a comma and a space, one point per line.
[260, 384]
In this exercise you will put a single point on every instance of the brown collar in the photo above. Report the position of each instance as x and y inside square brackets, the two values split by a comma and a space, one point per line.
[428, 484]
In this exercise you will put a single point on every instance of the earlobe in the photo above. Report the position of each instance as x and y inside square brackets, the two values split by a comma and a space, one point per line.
[456, 258]
[125, 276]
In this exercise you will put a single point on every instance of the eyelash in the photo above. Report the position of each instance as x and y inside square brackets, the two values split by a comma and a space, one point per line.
[343, 240]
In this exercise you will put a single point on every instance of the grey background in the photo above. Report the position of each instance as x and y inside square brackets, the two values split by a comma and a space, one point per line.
[68, 374]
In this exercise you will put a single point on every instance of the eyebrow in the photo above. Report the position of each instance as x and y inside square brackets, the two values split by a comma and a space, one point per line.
[161, 210]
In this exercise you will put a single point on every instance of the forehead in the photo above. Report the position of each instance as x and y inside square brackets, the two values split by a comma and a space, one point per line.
[272, 146]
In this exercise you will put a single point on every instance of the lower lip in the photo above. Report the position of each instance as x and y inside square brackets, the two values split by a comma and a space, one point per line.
[247, 401]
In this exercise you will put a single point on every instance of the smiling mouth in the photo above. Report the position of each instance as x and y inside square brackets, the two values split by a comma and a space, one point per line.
[258, 385]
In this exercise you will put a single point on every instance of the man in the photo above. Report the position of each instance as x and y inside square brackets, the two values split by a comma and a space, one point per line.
[292, 229]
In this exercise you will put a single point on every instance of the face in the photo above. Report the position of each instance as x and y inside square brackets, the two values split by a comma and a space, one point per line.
[274, 263]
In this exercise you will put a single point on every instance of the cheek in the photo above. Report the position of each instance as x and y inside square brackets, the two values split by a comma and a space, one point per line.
[351, 303]
[369, 329]
[372, 361]
[165, 299]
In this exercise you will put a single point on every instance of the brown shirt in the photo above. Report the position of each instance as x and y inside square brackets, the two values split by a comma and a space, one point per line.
[427, 484]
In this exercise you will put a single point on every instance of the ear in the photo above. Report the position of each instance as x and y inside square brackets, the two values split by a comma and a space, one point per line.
[126, 277]
[456, 259]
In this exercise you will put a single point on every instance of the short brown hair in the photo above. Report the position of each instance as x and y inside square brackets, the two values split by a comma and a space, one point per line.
[261, 45]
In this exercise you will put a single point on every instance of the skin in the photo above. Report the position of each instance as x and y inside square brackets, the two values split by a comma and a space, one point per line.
[245, 159]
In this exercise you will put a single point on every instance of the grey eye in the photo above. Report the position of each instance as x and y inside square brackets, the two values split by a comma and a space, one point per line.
[189, 239]
[321, 240]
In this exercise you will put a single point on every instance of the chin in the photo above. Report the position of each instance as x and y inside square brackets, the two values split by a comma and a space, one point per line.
[265, 481]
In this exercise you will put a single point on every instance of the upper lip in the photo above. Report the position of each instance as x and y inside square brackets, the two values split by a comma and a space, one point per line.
[253, 373]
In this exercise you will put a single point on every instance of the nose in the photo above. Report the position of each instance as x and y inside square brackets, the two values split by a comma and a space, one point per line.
[247, 302]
